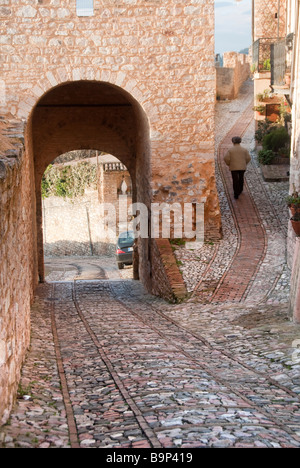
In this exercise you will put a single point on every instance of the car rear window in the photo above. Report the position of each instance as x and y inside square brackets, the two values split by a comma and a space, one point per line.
[126, 238]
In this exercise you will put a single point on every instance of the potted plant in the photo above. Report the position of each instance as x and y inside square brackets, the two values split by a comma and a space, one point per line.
[267, 65]
[253, 68]
[295, 220]
[264, 127]
[285, 113]
[260, 109]
[265, 95]
[293, 202]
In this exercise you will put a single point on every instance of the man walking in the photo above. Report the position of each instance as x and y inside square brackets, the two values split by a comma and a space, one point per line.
[237, 159]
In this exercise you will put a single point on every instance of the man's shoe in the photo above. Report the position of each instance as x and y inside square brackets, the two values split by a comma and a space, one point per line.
[236, 197]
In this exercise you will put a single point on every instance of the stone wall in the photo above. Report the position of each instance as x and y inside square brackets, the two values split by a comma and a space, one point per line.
[162, 56]
[76, 226]
[295, 282]
[72, 227]
[230, 77]
[225, 83]
[136, 80]
[17, 260]
[269, 19]
[293, 241]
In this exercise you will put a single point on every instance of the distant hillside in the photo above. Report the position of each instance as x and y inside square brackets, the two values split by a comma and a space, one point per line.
[244, 51]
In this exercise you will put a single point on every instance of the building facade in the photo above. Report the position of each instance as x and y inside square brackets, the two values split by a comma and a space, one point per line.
[269, 19]
[133, 79]
[293, 19]
[276, 33]
[269, 28]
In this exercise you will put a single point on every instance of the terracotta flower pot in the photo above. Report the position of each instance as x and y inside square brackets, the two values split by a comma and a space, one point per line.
[295, 209]
[296, 227]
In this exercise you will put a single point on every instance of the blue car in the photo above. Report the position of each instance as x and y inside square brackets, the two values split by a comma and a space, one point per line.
[124, 249]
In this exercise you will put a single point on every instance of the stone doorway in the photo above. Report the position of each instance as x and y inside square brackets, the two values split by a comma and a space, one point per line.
[92, 116]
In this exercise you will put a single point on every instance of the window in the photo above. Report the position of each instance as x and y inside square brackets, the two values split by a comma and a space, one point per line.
[85, 7]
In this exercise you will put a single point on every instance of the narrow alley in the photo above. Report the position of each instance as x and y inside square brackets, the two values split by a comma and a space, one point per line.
[111, 366]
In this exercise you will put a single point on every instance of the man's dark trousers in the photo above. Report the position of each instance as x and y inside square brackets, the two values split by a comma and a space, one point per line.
[238, 182]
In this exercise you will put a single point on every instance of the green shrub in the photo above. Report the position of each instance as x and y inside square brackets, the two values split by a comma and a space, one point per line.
[253, 67]
[265, 157]
[276, 139]
[46, 183]
[284, 152]
[267, 65]
[69, 181]
[264, 127]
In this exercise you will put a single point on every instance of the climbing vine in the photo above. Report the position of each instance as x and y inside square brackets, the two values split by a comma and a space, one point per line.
[69, 181]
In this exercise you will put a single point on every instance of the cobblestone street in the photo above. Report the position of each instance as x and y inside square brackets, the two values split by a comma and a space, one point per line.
[113, 367]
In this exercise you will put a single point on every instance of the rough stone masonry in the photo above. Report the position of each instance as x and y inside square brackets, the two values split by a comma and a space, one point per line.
[135, 79]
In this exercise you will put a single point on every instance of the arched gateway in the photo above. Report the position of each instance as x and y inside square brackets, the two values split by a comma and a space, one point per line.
[136, 79]
[91, 115]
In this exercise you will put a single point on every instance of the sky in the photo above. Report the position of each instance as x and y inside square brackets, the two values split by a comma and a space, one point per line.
[84, 7]
[232, 25]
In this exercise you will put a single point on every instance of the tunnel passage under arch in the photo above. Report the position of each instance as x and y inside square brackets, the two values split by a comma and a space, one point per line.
[91, 115]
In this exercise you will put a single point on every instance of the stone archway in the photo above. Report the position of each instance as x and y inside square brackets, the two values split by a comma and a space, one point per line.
[91, 115]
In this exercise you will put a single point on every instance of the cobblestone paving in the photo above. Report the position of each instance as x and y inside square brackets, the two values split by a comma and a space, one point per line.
[196, 264]
[203, 270]
[113, 367]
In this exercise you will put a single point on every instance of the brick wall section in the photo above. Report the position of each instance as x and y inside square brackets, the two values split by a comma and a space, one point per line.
[16, 263]
[167, 279]
[230, 77]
